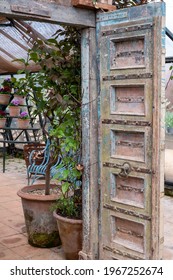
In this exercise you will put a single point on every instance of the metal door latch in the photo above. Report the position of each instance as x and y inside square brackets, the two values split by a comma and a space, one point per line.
[125, 170]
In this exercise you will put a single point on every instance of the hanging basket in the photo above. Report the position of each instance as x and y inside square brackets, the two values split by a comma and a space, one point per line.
[2, 122]
[23, 124]
[14, 111]
[4, 99]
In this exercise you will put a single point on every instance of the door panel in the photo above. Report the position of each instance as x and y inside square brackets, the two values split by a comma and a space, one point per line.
[129, 175]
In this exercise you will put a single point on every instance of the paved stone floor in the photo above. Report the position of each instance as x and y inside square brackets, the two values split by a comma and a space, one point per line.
[13, 238]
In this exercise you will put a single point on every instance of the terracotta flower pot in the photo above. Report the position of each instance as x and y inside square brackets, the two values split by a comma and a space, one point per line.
[70, 231]
[20, 98]
[14, 111]
[23, 123]
[40, 224]
[2, 122]
[4, 99]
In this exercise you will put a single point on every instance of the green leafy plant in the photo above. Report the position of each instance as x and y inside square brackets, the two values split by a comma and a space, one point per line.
[169, 119]
[7, 83]
[4, 91]
[56, 91]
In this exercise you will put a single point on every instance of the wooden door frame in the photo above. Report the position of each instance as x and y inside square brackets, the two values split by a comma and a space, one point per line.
[84, 19]
[90, 111]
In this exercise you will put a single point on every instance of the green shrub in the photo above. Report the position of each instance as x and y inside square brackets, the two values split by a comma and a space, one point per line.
[169, 119]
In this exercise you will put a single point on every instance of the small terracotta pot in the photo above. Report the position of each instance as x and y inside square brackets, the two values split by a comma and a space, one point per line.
[2, 122]
[14, 111]
[23, 124]
[4, 99]
[20, 98]
[70, 231]
[40, 224]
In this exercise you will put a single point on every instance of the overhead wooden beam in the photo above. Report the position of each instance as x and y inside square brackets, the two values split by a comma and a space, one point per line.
[31, 31]
[23, 31]
[7, 66]
[48, 11]
[7, 53]
[90, 4]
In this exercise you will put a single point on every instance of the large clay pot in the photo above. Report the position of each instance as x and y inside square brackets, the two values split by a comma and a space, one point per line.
[40, 224]
[70, 231]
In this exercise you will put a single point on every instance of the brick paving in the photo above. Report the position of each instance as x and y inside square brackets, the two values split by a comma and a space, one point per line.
[13, 237]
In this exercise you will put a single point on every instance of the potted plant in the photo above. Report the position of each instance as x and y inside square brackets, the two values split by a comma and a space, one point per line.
[56, 90]
[14, 109]
[169, 121]
[68, 209]
[20, 89]
[2, 119]
[23, 120]
[7, 84]
[5, 96]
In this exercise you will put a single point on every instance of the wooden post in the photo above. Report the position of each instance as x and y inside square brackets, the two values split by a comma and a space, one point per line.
[90, 147]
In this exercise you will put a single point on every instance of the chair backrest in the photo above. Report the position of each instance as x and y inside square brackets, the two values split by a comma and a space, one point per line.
[28, 148]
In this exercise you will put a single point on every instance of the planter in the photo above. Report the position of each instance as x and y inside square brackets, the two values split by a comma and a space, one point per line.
[20, 98]
[40, 224]
[14, 111]
[70, 231]
[2, 122]
[4, 99]
[23, 124]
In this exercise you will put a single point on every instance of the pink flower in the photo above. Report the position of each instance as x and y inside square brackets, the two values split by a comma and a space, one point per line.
[15, 102]
[24, 115]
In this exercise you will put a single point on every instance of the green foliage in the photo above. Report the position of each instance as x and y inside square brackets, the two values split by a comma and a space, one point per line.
[169, 119]
[56, 91]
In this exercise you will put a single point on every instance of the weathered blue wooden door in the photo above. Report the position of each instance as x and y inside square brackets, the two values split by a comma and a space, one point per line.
[131, 133]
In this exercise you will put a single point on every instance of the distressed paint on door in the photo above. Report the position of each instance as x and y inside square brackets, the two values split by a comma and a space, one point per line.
[131, 55]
